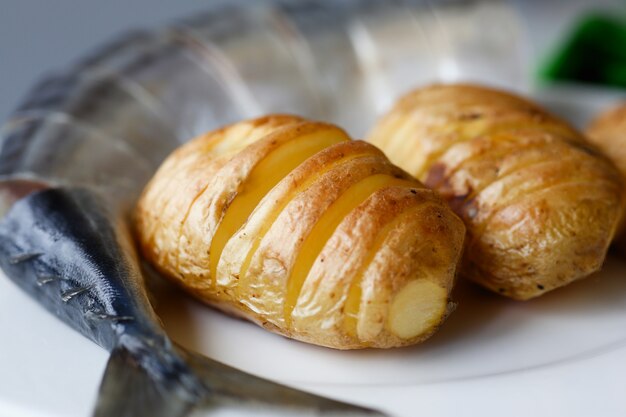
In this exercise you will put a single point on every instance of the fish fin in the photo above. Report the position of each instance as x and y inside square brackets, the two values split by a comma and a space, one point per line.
[251, 395]
[129, 390]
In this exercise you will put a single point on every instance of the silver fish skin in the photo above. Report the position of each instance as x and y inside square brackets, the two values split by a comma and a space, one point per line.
[66, 249]
[61, 246]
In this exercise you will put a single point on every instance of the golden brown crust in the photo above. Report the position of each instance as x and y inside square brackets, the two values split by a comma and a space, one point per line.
[608, 132]
[540, 203]
[237, 250]
[271, 265]
[376, 207]
[186, 173]
[412, 248]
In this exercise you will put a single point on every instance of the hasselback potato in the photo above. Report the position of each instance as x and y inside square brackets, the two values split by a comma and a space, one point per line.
[290, 224]
[540, 203]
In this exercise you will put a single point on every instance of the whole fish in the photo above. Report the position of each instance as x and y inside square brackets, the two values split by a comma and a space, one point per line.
[77, 152]
[65, 247]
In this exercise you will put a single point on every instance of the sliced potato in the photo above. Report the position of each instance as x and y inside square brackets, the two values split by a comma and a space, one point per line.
[540, 203]
[303, 232]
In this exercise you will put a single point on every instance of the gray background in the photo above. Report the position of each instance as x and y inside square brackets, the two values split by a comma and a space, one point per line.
[37, 36]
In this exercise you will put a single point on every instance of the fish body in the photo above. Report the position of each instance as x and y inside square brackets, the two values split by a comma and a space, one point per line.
[62, 247]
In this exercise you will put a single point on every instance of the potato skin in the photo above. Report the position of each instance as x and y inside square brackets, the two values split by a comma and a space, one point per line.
[540, 203]
[608, 132]
[184, 203]
[405, 251]
[181, 179]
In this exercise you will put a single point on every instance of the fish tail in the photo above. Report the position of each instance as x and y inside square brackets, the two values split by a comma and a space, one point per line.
[245, 394]
[131, 387]
[176, 383]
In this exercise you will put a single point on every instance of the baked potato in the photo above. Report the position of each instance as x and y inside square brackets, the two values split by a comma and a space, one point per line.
[608, 132]
[290, 224]
[541, 204]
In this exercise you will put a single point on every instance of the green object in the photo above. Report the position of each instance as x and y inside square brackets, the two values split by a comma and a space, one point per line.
[594, 52]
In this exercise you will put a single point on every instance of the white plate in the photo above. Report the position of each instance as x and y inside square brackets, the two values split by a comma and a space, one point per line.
[562, 354]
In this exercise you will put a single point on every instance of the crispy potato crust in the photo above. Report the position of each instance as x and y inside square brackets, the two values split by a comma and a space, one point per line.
[608, 132]
[343, 250]
[540, 203]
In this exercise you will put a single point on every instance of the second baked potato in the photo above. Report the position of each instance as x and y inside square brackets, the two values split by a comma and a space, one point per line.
[292, 225]
[540, 203]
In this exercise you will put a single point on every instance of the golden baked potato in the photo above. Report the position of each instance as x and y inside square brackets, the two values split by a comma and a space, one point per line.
[608, 132]
[541, 205]
[290, 224]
